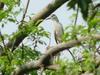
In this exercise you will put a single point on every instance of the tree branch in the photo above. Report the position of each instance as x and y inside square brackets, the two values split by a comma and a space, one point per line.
[45, 12]
[25, 12]
[45, 59]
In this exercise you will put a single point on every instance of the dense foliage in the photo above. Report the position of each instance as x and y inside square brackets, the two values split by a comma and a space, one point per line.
[10, 60]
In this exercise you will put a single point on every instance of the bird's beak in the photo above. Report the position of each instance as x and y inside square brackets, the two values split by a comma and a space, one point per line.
[48, 18]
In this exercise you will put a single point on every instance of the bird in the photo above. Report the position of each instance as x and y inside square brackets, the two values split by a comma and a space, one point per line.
[58, 30]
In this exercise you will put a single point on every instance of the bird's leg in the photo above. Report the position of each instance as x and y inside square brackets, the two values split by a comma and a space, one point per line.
[57, 57]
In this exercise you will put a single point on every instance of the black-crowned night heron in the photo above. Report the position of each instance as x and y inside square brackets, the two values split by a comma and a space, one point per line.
[58, 30]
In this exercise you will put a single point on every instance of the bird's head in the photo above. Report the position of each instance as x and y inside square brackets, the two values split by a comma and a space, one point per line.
[52, 17]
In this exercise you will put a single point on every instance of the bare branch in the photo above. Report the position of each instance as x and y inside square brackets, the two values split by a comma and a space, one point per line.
[72, 55]
[25, 12]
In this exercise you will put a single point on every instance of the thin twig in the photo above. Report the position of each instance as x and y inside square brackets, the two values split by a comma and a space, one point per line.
[2, 38]
[72, 55]
[97, 6]
[12, 48]
[5, 47]
[25, 12]
[75, 26]
[76, 16]
[22, 51]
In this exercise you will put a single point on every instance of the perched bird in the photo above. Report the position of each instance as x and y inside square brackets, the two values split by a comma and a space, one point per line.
[58, 30]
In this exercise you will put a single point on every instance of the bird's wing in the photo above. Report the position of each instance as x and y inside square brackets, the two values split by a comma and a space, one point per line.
[58, 39]
[55, 37]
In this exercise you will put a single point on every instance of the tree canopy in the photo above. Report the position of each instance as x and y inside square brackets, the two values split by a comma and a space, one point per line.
[16, 58]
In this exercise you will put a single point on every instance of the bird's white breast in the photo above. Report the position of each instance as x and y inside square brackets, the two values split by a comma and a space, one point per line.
[58, 28]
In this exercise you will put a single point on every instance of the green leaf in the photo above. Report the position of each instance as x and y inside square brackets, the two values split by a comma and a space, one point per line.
[84, 6]
[72, 3]
[11, 20]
